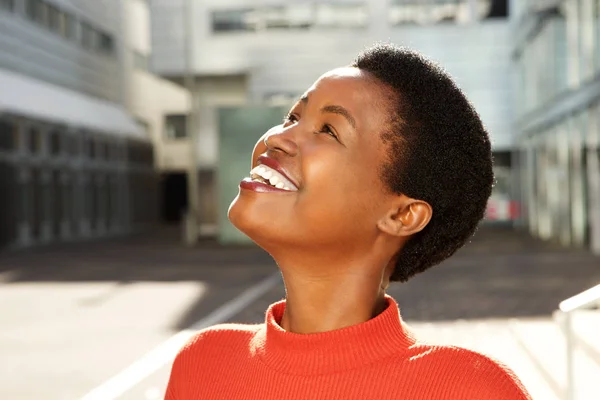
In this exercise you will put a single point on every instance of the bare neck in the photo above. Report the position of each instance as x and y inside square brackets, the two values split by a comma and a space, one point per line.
[321, 304]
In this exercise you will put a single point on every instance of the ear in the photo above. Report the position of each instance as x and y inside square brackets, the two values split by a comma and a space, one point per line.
[406, 217]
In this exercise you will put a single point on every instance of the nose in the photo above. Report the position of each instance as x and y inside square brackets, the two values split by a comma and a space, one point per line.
[281, 139]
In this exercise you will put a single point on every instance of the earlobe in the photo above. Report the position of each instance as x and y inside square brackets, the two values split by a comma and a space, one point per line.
[406, 219]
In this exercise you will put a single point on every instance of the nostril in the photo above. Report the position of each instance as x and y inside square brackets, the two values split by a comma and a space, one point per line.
[281, 142]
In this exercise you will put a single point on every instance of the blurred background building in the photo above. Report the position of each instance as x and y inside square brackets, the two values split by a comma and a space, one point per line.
[557, 57]
[119, 114]
[245, 54]
[81, 121]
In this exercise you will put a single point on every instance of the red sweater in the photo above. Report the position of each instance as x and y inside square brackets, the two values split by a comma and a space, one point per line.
[377, 359]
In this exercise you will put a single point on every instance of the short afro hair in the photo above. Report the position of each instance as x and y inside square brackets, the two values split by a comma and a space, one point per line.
[439, 152]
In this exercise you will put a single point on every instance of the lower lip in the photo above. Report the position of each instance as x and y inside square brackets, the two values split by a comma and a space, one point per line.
[255, 186]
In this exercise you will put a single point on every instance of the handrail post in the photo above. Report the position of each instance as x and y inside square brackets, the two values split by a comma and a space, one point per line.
[570, 387]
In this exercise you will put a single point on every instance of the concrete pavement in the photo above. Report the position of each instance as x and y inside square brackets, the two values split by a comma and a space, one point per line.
[72, 317]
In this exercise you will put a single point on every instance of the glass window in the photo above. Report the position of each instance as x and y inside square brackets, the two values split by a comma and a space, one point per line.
[176, 126]
[24, 201]
[35, 141]
[8, 5]
[496, 8]
[341, 15]
[57, 212]
[90, 147]
[88, 36]
[42, 13]
[101, 150]
[438, 11]
[300, 15]
[55, 145]
[8, 136]
[64, 24]
[293, 16]
[53, 18]
[70, 26]
[105, 43]
[73, 145]
[235, 20]
[31, 9]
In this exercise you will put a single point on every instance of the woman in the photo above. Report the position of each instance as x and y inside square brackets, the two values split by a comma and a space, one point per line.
[381, 170]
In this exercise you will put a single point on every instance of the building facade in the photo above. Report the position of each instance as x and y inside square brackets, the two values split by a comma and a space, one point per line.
[557, 55]
[76, 143]
[243, 52]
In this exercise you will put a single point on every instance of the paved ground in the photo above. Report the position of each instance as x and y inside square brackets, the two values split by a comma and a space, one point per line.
[72, 317]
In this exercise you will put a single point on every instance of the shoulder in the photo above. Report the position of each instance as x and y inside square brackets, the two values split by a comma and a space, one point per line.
[223, 335]
[472, 374]
[205, 350]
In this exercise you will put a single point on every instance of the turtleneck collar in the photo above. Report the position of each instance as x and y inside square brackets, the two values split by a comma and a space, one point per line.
[333, 351]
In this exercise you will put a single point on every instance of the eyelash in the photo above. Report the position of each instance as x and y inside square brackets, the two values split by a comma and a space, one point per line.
[325, 129]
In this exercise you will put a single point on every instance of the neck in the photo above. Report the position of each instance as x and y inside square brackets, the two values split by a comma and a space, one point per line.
[326, 303]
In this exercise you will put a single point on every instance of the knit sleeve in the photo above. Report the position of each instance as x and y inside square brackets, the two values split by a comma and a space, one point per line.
[491, 380]
[181, 369]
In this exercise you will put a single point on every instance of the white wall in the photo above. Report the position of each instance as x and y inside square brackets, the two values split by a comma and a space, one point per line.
[477, 55]
[138, 26]
[151, 98]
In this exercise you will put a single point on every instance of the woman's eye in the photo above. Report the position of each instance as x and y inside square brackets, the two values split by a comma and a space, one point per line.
[290, 118]
[327, 129]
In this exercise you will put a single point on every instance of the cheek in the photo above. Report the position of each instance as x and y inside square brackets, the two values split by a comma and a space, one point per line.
[341, 191]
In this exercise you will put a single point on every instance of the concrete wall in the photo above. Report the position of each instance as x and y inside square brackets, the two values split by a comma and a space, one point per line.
[149, 97]
[31, 49]
[152, 99]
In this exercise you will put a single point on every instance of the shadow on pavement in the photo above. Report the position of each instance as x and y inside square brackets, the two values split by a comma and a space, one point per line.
[502, 273]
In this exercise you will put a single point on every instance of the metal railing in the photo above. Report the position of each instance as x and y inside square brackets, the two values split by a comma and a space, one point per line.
[584, 300]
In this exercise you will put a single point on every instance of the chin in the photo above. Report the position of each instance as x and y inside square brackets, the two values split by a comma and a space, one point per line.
[245, 219]
[255, 221]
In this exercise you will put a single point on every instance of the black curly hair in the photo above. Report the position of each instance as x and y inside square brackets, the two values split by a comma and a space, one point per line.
[439, 152]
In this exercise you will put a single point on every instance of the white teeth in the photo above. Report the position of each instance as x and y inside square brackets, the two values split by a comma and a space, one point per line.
[273, 177]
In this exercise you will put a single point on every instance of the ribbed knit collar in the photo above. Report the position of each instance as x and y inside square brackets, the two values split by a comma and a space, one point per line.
[333, 351]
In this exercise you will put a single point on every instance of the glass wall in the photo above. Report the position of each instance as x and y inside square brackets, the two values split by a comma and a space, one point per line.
[560, 177]
[58, 183]
[559, 90]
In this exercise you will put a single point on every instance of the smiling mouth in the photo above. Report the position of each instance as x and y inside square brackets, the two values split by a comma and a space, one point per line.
[268, 176]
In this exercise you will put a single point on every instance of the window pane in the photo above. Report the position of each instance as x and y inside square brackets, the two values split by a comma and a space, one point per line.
[35, 141]
[8, 5]
[105, 43]
[70, 26]
[54, 19]
[341, 15]
[42, 13]
[87, 36]
[234, 20]
[7, 136]
[90, 148]
[497, 8]
[175, 126]
[440, 11]
[55, 146]
[31, 9]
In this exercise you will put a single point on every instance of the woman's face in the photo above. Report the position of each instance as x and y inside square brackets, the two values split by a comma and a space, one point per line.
[323, 167]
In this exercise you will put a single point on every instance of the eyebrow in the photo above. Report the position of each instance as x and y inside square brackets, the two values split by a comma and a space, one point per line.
[334, 109]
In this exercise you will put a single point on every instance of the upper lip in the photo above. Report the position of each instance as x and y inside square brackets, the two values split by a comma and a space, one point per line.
[272, 163]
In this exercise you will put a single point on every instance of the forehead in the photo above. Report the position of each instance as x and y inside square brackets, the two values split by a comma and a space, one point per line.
[355, 90]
